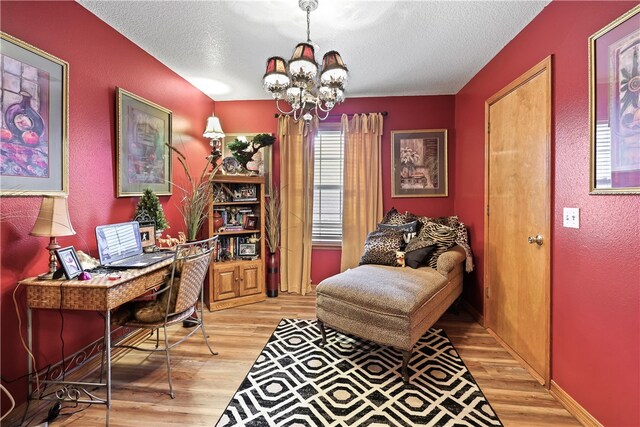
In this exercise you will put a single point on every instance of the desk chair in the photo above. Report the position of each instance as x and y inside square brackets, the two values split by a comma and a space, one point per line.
[180, 296]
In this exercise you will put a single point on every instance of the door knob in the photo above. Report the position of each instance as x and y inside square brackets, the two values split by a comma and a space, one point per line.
[537, 240]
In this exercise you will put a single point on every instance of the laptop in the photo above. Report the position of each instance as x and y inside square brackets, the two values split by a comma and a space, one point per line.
[119, 246]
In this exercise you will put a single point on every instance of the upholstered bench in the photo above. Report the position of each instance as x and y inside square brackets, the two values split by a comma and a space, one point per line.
[391, 306]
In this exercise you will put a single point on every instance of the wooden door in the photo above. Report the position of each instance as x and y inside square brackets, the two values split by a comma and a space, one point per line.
[225, 282]
[251, 278]
[517, 192]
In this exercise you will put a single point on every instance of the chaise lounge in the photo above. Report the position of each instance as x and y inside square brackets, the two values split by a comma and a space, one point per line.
[389, 305]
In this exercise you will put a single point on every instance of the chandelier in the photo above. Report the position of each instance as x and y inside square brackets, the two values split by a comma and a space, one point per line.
[298, 83]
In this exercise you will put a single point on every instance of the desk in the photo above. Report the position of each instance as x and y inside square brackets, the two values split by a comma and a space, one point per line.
[98, 294]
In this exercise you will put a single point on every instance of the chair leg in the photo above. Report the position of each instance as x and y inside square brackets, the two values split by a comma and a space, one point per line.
[166, 351]
[323, 332]
[157, 337]
[406, 357]
[204, 334]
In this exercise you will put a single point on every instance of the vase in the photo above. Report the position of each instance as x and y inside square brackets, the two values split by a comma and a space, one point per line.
[24, 122]
[272, 275]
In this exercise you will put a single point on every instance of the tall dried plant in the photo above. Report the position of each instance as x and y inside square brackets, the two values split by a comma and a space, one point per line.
[195, 196]
[272, 220]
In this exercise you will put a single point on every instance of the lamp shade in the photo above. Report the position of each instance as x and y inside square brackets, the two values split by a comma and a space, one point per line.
[213, 129]
[276, 73]
[333, 69]
[303, 60]
[53, 218]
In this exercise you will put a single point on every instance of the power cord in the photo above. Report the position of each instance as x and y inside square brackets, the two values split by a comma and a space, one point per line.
[13, 402]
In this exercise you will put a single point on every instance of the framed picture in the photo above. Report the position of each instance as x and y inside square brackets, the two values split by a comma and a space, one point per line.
[250, 222]
[147, 236]
[247, 249]
[34, 142]
[262, 160]
[69, 262]
[614, 106]
[419, 163]
[144, 160]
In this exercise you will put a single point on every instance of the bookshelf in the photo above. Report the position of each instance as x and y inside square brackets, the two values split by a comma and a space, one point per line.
[236, 215]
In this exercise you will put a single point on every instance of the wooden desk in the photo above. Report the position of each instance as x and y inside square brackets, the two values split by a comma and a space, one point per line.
[98, 294]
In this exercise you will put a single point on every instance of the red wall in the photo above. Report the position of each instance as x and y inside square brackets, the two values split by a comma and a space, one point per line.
[405, 113]
[99, 60]
[595, 269]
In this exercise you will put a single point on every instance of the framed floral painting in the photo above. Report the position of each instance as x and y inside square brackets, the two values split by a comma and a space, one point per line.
[614, 106]
[419, 163]
[144, 160]
[34, 142]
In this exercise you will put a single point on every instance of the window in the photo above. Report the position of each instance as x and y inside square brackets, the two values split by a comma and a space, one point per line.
[603, 155]
[327, 185]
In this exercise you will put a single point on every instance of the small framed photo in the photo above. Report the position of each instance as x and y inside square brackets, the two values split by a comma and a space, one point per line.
[251, 222]
[69, 262]
[147, 236]
[247, 249]
[419, 163]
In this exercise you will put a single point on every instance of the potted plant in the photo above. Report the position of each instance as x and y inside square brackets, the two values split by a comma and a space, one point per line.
[272, 233]
[243, 151]
[149, 207]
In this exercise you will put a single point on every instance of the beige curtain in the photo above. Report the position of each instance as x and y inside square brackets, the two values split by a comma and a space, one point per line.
[296, 192]
[362, 201]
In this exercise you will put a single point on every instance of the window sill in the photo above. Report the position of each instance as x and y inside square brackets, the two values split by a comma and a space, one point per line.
[326, 245]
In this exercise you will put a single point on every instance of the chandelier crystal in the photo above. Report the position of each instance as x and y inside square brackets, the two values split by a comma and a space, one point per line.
[307, 91]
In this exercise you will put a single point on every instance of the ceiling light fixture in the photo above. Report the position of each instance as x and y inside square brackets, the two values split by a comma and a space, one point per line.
[298, 82]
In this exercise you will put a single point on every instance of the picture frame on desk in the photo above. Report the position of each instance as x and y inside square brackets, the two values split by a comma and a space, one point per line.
[148, 237]
[69, 261]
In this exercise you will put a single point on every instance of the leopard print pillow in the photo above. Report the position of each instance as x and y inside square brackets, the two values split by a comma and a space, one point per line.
[393, 217]
[381, 247]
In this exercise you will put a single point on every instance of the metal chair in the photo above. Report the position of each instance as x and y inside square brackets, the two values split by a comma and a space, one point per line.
[190, 267]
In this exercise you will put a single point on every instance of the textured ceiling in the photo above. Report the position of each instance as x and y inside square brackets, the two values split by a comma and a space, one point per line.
[391, 47]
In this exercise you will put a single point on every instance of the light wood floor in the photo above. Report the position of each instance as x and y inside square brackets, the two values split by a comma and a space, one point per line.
[204, 384]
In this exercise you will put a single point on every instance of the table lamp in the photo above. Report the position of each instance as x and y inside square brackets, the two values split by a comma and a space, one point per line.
[53, 221]
[213, 131]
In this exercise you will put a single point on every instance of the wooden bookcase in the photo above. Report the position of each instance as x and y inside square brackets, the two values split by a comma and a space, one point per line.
[236, 281]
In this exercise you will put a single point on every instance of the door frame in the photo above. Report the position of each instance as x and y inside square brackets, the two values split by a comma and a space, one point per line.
[545, 64]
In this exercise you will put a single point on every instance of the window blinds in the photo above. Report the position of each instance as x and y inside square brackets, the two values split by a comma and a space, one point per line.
[327, 184]
[603, 155]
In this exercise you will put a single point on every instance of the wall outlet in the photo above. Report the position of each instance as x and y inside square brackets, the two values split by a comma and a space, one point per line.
[571, 217]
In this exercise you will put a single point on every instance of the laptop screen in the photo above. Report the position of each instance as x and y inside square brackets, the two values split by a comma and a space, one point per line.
[118, 241]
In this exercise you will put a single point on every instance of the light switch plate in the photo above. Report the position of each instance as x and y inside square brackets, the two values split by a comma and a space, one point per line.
[571, 217]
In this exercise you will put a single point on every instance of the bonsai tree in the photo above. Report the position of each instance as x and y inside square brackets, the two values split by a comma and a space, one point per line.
[243, 151]
[149, 206]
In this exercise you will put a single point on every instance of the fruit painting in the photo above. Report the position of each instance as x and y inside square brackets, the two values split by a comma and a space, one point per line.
[33, 120]
[24, 147]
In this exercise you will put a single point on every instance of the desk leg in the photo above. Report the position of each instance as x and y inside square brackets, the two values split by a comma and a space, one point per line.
[107, 344]
[30, 345]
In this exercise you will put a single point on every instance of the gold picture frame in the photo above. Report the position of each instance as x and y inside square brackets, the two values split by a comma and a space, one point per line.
[419, 163]
[34, 147]
[614, 109]
[143, 157]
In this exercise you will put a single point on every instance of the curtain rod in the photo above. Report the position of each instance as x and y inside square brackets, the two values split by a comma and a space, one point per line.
[384, 114]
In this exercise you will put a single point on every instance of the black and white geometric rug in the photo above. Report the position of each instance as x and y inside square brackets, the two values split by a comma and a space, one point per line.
[352, 382]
